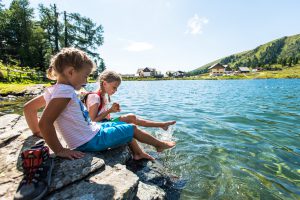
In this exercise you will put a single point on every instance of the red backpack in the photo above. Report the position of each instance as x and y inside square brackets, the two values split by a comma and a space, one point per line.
[84, 98]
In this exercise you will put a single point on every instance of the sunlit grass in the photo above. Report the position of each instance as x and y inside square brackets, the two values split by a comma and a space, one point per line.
[8, 88]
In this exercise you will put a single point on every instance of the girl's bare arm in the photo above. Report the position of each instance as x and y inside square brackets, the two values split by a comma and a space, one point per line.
[50, 114]
[93, 112]
[30, 112]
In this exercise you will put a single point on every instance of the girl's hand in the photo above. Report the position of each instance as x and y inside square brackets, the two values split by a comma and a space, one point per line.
[70, 154]
[115, 107]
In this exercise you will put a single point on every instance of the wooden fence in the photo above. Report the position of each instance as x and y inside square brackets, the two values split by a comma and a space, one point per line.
[20, 74]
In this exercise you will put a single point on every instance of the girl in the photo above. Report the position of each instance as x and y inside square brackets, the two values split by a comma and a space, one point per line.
[64, 113]
[97, 104]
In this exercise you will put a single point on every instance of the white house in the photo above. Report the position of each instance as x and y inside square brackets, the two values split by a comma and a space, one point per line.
[146, 72]
[244, 70]
[179, 74]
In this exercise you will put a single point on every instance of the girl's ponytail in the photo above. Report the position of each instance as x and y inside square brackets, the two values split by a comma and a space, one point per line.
[50, 73]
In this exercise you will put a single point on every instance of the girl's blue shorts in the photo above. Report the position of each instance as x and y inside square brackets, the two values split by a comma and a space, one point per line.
[110, 135]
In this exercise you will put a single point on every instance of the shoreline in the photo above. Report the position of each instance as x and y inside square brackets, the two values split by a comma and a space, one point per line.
[32, 89]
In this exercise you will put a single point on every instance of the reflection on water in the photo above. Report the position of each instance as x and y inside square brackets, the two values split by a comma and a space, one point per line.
[235, 139]
[13, 105]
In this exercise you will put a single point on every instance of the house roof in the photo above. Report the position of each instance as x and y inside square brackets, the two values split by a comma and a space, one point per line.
[244, 69]
[146, 69]
[216, 65]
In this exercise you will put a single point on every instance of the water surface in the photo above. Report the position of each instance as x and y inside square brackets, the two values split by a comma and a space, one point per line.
[236, 139]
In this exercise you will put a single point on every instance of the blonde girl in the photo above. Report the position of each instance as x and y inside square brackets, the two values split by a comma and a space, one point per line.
[97, 103]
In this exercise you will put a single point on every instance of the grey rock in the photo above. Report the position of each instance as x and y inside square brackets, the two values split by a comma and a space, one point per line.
[113, 183]
[34, 90]
[10, 163]
[12, 125]
[68, 171]
[98, 175]
[149, 192]
[65, 171]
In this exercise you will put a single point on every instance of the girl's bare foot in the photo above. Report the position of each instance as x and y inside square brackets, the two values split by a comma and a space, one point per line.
[165, 145]
[142, 155]
[167, 124]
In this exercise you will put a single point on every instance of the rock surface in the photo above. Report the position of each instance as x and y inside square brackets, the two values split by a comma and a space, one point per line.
[99, 175]
[28, 91]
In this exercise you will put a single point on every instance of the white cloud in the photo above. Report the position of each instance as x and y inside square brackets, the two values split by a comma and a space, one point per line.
[195, 24]
[139, 46]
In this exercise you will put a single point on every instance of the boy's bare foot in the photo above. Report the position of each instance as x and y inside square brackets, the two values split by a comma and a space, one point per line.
[142, 155]
[165, 145]
[167, 124]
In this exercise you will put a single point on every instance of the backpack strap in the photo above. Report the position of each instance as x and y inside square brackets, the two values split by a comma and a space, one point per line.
[101, 100]
[84, 98]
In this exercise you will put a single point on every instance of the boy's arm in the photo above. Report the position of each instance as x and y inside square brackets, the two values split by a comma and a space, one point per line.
[30, 112]
[50, 114]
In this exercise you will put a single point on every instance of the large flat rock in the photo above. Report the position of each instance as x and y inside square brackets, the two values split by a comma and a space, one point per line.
[65, 171]
[98, 175]
[113, 183]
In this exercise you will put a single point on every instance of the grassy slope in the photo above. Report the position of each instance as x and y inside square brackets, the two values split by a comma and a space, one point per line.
[290, 72]
[290, 47]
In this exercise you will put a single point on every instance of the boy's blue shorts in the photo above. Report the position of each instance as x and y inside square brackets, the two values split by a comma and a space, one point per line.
[110, 135]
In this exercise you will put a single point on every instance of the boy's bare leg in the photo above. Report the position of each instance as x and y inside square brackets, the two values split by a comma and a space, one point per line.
[131, 118]
[137, 152]
[146, 138]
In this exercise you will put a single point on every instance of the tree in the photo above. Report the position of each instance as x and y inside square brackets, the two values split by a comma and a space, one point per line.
[82, 32]
[295, 60]
[3, 33]
[99, 68]
[49, 21]
[289, 61]
[39, 48]
[19, 31]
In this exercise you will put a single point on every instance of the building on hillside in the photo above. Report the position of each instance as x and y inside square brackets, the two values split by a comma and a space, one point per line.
[179, 74]
[146, 72]
[244, 70]
[217, 69]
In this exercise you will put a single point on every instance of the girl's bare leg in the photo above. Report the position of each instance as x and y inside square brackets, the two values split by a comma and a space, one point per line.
[146, 138]
[131, 118]
[137, 152]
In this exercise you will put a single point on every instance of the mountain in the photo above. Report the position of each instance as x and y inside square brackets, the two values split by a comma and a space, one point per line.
[273, 55]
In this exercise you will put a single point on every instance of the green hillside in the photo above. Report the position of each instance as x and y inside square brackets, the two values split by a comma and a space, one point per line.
[273, 55]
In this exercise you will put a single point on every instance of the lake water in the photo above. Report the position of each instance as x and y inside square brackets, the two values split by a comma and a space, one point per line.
[236, 139]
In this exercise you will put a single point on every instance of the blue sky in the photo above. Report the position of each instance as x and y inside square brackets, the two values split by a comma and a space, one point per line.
[181, 34]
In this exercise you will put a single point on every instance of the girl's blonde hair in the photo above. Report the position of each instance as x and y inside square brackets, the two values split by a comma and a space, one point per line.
[68, 57]
[109, 76]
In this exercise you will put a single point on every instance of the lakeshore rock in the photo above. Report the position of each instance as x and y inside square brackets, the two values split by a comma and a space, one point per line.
[34, 90]
[99, 175]
[28, 91]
